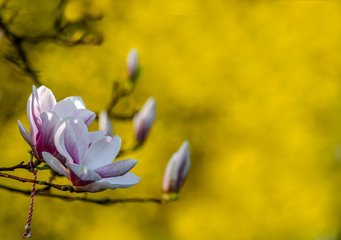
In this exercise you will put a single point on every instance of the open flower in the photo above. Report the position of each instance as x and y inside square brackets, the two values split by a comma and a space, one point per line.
[177, 170]
[44, 113]
[91, 168]
[144, 120]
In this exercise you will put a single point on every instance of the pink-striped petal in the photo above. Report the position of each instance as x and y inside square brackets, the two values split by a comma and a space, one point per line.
[46, 137]
[72, 139]
[81, 175]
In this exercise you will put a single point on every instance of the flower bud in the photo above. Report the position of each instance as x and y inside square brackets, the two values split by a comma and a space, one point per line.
[144, 120]
[105, 123]
[177, 170]
[132, 64]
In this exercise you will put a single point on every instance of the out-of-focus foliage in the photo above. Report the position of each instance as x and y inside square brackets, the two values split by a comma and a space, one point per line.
[255, 86]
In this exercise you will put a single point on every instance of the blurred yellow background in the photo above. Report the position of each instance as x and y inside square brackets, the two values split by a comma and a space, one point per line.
[255, 86]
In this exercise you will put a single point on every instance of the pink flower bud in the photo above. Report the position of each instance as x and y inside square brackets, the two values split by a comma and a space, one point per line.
[144, 120]
[105, 123]
[132, 64]
[177, 170]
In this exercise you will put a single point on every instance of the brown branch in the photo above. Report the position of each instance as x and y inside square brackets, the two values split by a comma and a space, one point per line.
[44, 183]
[117, 94]
[17, 41]
[120, 117]
[20, 165]
[103, 201]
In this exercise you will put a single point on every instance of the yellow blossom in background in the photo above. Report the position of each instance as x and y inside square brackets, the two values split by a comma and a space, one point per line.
[254, 86]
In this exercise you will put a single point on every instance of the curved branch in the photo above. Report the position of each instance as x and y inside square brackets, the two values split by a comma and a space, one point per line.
[103, 201]
[20, 165]
[44, 183]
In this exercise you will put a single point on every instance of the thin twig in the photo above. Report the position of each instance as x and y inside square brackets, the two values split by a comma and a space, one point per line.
[103, 201]
[20, 165]
[17, 41]
[56, 186]
[116, 95]
[120, 117]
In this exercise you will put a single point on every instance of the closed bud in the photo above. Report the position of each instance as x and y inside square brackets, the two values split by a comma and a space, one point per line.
[105, 123]
[132, 64]
[144, 120]
[177, 170]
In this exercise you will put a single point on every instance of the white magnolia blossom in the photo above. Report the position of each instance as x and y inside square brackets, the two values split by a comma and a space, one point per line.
[90, 168]
[177, 170]
[144, 120]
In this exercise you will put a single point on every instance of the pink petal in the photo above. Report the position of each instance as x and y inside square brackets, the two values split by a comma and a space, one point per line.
[46, 137]
[81, 175]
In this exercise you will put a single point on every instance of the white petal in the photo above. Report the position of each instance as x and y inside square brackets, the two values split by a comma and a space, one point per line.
[85, 115]
[66, 107]
[95, 135]
[72, 139]
[55, 164]
[46, 99]
[25, 134]
[78, 101]
[59, 140]
[102, 152]
[127, 180]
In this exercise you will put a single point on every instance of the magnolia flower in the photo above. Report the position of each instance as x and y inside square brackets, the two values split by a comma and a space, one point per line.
[105, 123]
[44, 113]
[91, 168]
[177, 170]
[132, 64]
[144, 120]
